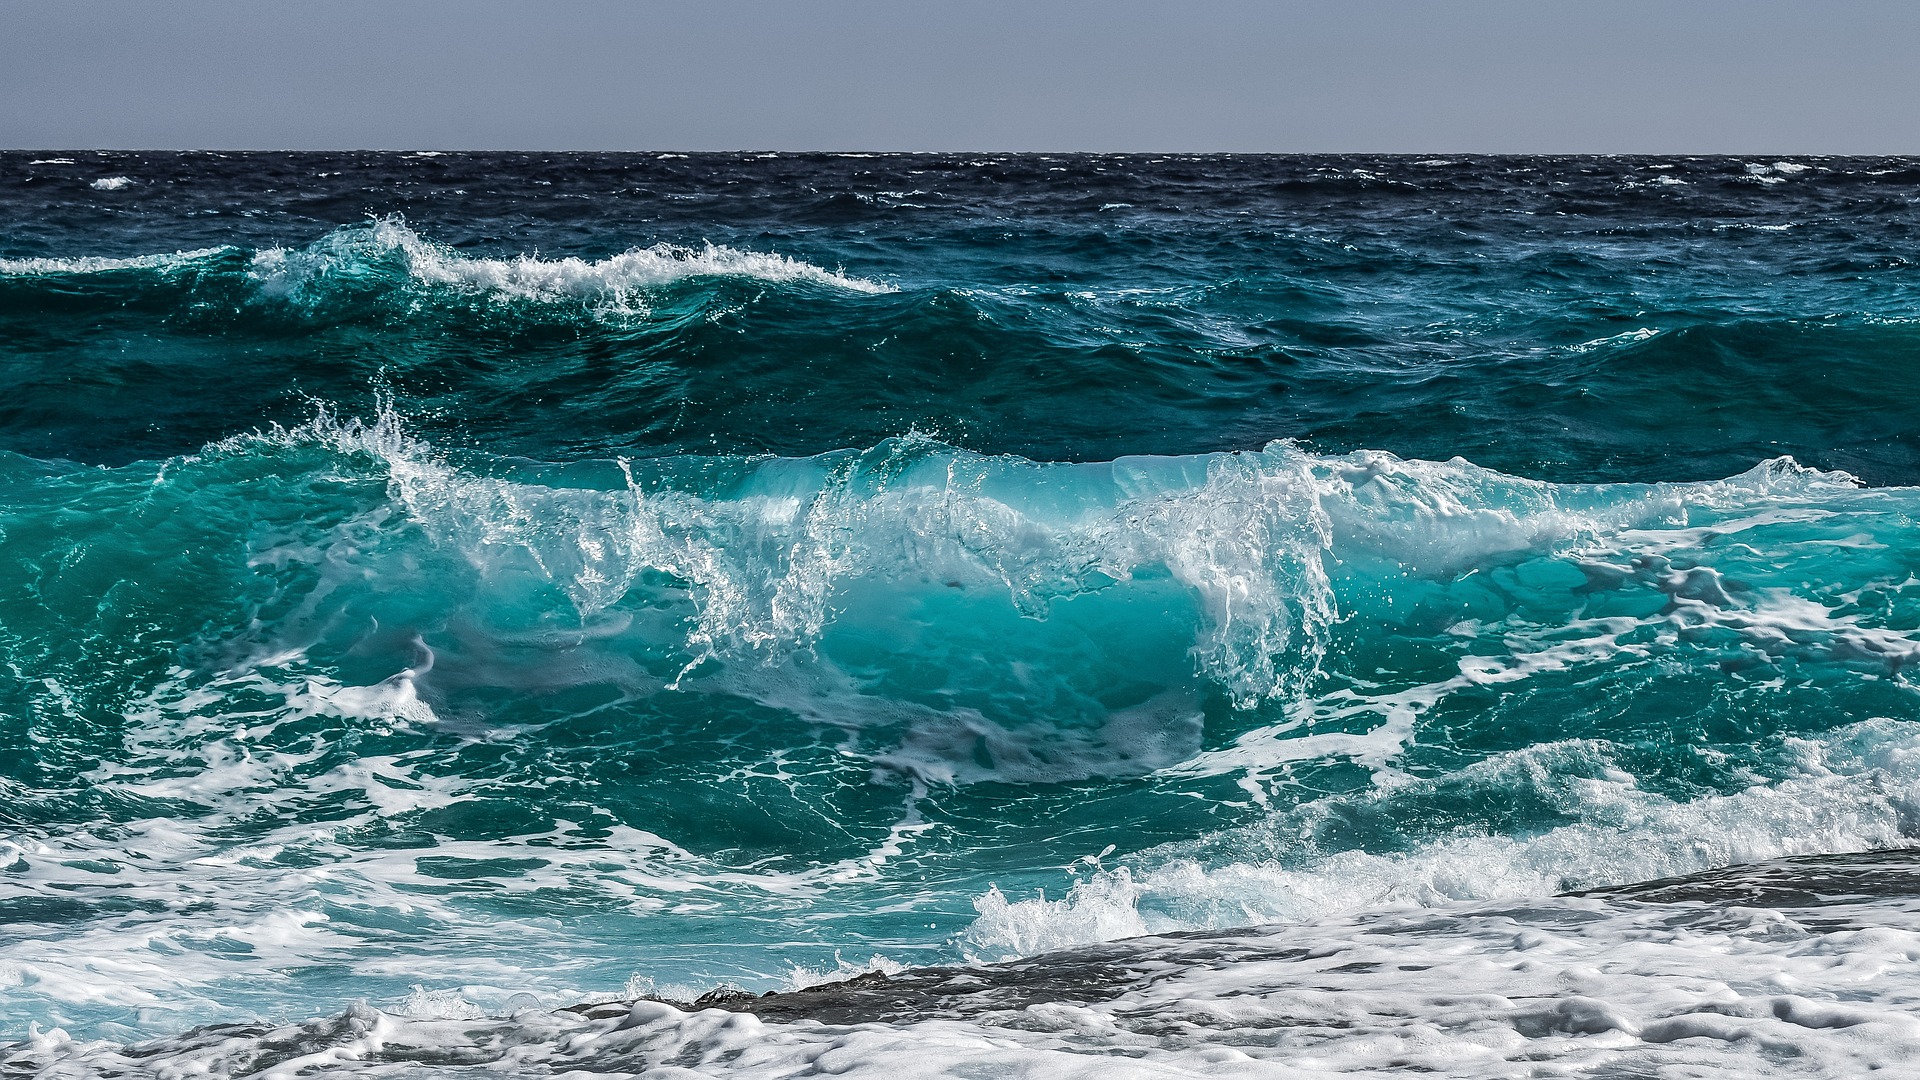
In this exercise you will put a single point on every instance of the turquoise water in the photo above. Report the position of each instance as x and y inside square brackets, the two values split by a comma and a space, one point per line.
[458, 578]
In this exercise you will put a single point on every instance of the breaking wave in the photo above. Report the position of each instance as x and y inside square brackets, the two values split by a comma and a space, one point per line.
[384, 255]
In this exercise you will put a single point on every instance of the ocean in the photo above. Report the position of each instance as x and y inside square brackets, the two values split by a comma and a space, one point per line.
[500, 614]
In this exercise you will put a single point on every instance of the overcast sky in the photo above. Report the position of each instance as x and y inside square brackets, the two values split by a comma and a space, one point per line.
[1422, 76]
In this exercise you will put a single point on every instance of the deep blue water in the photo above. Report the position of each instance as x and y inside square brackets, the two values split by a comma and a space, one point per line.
[504, 574]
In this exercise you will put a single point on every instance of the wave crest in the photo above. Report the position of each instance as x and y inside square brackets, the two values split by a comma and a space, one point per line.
[1259, 554]
[769, 556]
[95, 264]
[387, 251]
[385, 262]
[1855, 789]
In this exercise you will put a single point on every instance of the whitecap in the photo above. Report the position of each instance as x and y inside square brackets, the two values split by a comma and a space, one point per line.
[90, 264]
[615, 283]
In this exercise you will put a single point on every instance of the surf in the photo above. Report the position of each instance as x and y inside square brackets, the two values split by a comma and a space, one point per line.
[479, 586]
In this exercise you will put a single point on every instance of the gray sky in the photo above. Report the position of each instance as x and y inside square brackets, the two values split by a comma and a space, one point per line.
[1604, 76]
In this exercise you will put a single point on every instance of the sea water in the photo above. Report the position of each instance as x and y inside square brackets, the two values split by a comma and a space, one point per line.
[439, 590]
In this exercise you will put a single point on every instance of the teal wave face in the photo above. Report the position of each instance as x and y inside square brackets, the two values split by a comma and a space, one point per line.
[761, 693]
[735, 571]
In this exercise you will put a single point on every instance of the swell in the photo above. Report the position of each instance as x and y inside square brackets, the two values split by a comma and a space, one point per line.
[664, 350]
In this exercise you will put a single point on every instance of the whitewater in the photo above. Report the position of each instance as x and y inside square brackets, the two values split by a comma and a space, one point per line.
[915, 615]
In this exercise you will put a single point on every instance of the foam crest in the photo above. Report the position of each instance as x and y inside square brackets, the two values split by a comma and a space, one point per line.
[1438, 518]
[387, 250]
[769, 565]
[1855, 790]
[1269, 549]
[93, 264]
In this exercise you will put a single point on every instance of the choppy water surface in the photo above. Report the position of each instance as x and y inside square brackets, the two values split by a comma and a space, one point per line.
[472, 584]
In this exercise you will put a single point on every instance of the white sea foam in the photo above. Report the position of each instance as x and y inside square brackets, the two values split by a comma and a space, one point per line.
[618, 282]
[385, 254]
[88, 264]
[305, 893]
[1550, 987]
[186, 897]
[1853, 790]
[1625, 337]
[800, 978]
[111, 183]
